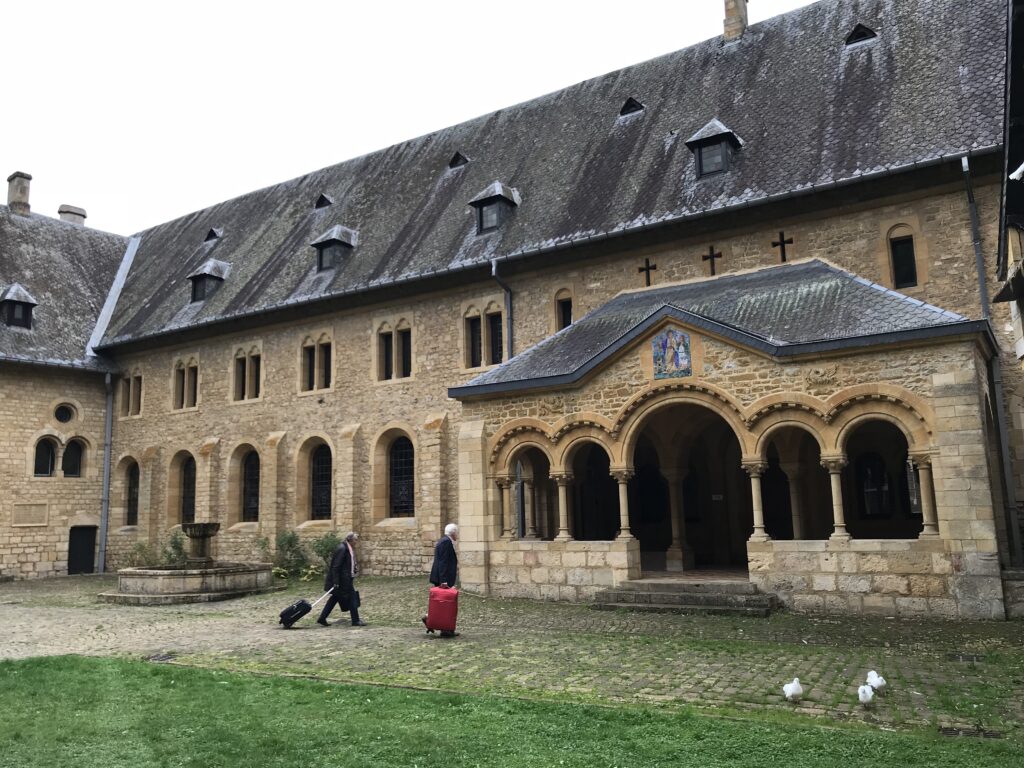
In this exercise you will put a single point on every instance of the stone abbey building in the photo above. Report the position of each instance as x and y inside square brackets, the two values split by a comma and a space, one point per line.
[731, 309]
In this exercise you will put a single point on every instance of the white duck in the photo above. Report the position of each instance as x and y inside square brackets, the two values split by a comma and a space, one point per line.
[876, 681]
[793, 691]
[865, 694]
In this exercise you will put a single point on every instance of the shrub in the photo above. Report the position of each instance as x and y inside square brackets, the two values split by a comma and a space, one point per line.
[291, 556]
[313, 572]
[142, 555]
[325, 546]
[174, 550]
[263, 547]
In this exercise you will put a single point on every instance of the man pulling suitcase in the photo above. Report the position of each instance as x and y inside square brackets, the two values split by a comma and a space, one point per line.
[443, 608]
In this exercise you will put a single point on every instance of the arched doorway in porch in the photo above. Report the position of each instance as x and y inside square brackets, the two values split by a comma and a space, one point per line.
[690, 498]
[795, 488]
[595, 500]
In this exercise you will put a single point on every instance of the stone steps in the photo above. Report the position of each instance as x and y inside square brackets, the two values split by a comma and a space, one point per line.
[709, 596]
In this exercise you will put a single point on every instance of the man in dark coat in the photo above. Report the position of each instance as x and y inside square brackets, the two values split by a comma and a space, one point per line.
[446, 563]
[338, 579]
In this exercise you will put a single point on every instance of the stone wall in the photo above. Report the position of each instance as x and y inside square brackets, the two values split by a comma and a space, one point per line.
[37, 513]
[560, 570]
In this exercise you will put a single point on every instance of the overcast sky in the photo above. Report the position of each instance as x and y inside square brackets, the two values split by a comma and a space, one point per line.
[140, 112]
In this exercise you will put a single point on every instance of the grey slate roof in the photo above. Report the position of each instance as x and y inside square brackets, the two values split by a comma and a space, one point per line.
[790, 309]
[811, 111]
[68, 270]
[17, 292]
[711, 130]
[213, 268]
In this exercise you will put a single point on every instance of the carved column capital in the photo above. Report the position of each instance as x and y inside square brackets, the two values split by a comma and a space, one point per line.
[503, 481]
[622, 475]
[562, 478]
[833, 464]
[755, 468]
[921, 458]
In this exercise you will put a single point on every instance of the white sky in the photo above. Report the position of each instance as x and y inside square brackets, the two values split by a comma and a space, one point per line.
[140, 112]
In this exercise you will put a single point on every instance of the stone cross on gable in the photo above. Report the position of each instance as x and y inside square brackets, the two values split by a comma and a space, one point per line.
[711, 256]
[647, 268]
[781, 244]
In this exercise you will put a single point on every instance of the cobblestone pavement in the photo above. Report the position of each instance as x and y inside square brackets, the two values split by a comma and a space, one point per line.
[963, 675]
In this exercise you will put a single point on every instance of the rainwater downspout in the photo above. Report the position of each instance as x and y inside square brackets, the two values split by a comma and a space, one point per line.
[108, 429]
[995, 374]
[508, 304]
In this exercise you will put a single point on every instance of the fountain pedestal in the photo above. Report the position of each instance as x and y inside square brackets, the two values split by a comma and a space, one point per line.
[200, 534]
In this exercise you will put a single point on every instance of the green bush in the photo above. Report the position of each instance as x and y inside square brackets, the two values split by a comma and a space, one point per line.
[174, 550]
[142, 555]
[324, 547]
[291, 556]
[313, 572]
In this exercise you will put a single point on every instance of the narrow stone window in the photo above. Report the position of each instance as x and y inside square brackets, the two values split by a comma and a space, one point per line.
[386, 355]
[563, 311]
[179, 387]
[126, 396]
[241, 368]
[904, 263]
[188, 491]
[255, 371]
[474, 342]
[191, 386]
[136, 407]
[404, 353]
[401, 482]
[496, 347]
[131, 516]
[46, 458]
[251, 488]
[324, 365]
[320, 484]
[309, 368]
[71, 462]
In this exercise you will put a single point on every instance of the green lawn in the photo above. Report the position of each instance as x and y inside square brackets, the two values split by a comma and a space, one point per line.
[73, 712]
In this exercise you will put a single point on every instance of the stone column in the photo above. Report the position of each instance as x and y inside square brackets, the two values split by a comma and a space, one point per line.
[755, 469]
[834, 465]
[792, 470]
[505, 488]
[563, 480]
[923, 461]
[272, 483]
[530, 504]
[680, 554]
[622, 477]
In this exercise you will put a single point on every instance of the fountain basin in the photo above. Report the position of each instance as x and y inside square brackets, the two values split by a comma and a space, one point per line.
[172, 585]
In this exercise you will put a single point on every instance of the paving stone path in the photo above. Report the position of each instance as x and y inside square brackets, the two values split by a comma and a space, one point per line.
[940, 674]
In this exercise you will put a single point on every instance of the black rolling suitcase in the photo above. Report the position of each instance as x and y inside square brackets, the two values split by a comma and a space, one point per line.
[298, 609]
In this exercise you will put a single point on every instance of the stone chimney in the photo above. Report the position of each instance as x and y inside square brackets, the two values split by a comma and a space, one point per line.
[735, 19]
[17, 193]
[72, 214]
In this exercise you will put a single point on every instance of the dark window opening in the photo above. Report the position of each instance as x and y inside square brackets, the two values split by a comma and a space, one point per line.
[712, 158]
[188, 491]
[309, 368]
[46, 458]
[191, 386]
[17, 314]
[631, 106]
[323, 201]
[131, 516]
[240, 383]
[497, 346]
[320, 484]
[458, 160]
[405, 353]
[136, 395]
[64, 413]
[325, 365]
[213, 234]
[203, 287]
[254, 376]
[386, 353]
[474, 339]
[126, 396]
[326, 257]
[859, 34]
[251, 488]
[71, 462]
[904, 265]
[401, 483]
[489, 216]
[564, 313]
[179, 388]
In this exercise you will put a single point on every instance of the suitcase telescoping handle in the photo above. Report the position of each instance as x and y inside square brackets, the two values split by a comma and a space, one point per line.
[322, 597]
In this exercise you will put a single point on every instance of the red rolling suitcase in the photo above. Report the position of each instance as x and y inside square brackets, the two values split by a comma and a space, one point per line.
[442, 610]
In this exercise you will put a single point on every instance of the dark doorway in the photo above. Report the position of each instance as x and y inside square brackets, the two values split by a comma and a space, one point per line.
[649, 513]
[82, 549]
[595, 508]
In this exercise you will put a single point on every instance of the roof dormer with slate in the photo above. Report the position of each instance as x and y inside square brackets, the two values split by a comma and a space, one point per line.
[207, 279]
[16, 306]
[713, 147]
[333, 246]
[494, 205]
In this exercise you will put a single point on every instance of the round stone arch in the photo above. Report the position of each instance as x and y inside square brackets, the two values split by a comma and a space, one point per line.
[571, 442]
[514, 449]
[235, 470]
[908, 422]
[172, 511]
[119, 489]
[380, 466]
[782, 420]
[635, 416]
[511, 434]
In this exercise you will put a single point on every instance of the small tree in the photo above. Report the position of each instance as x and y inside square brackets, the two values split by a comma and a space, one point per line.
[325, 546]
[174, 550]
[291, 556]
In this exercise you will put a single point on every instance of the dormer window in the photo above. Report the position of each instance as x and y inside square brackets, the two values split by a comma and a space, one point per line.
[494, 205]
[333, 245]
[860, 34]
[631, 106]
[214, 234]
[323, 201]
[713, 147]
[16, 306]
[208, 278]
[458, 160]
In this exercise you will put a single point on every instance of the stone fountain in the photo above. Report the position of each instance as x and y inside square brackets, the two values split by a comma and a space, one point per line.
[201, 579]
